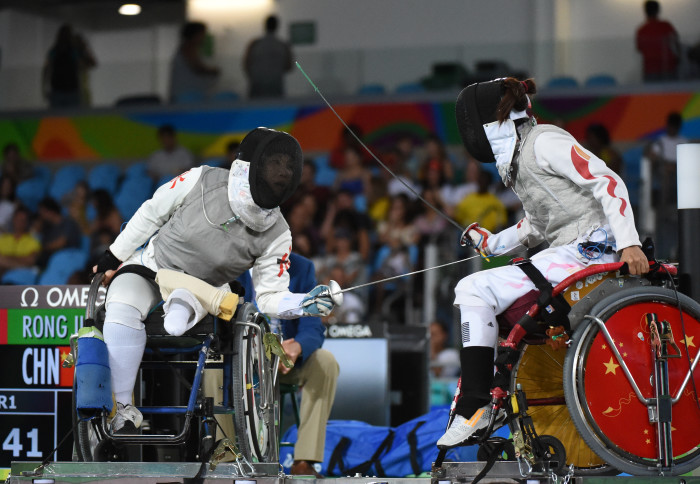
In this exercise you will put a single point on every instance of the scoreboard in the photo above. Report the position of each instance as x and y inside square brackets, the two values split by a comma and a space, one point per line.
[36, 323]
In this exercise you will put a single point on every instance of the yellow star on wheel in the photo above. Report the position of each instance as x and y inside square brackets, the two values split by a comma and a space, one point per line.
[624, 354]
[621, 345]
[611, 367]
[604, 346]
[646, 431]
[648, 441]
[688, 341]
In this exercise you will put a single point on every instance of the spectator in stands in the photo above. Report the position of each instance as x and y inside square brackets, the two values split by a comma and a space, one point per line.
[76, 204]
[107, 217]
[7, 203]
[337, 156]
[444, 361]
[61, 74]
[353, 177]
[56, 231]
[598, 142]
[378, 200]
[398, 238]
[482, 206]
[662, 153]
[266, 61]
[14, 166]
[342, 213]
[436, 158]
[343, 254]
[429, 223]
[308, 185]
[403, 182]
[189, 74]
[172, 159]
[658, 43]
[301, 221]
[663, 149]
[408, 158]
[18, 248]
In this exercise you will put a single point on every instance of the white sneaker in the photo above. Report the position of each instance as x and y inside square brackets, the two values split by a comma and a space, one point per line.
[463, 429]
[127, 420]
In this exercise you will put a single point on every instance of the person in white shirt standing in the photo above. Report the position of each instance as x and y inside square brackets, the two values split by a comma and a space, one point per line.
[213, 224]
[572, 200]
[172, 158]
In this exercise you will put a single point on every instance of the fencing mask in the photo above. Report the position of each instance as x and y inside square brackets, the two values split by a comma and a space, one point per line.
[476, 106]
[275, 165]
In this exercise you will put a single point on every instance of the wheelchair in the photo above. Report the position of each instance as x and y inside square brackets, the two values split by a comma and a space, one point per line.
[240, 347]
[621, 395]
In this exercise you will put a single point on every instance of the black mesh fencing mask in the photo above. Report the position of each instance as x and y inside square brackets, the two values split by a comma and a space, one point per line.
[275, 165]
[476, 106]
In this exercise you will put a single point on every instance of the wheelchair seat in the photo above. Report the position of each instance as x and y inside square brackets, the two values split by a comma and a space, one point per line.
[158, 337]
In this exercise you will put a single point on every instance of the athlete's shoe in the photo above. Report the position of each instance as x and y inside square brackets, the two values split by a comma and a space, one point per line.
[127, 420]
[463, 429]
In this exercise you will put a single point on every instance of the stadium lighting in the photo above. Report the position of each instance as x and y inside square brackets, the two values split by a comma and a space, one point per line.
[130, 9]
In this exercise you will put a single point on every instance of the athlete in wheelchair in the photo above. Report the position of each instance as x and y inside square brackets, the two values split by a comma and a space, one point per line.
[581, 208]
[211, 224]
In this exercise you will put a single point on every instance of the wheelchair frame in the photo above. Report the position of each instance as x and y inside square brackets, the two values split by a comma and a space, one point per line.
[259, 389]
[665, 463]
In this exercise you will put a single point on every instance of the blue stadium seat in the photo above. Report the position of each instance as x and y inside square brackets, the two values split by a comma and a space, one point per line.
[325, 174]
[136, 170]
[409, 87]
[104, 177]
[24, 276]
[163, 180]
[42, 172]
[62, 265]
[65, 180]
[601, 80]
[631, 160]
[226, 96]
[562, 82]
[371, 89]
[190, 97]
[30, 192]
[131, 194]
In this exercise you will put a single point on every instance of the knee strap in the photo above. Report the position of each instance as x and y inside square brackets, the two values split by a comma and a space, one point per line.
[554, 310]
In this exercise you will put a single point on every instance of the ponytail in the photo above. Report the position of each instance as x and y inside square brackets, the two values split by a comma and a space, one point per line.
[514, 97]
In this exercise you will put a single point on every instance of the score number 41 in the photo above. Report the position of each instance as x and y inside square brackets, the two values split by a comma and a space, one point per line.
[12, 443]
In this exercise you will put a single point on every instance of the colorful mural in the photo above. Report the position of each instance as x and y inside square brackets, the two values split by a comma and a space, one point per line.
[206, 131]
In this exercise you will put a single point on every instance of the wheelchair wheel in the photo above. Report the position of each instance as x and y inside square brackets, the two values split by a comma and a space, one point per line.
[255, 399]
[539, 372]
[601, 400]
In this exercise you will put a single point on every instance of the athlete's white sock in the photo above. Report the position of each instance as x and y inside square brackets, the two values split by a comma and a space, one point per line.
[178, 315]
[125, 345]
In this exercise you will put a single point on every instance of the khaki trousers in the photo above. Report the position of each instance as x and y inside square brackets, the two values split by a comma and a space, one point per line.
[317, 378]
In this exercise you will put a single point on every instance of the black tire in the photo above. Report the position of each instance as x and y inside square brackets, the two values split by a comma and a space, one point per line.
[488, 447]
[540, 373]
[256, 422]
[555, 454]
[627, 306]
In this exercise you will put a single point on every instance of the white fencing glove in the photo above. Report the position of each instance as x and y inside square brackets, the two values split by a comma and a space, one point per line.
[478, 238]
[321, 300]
